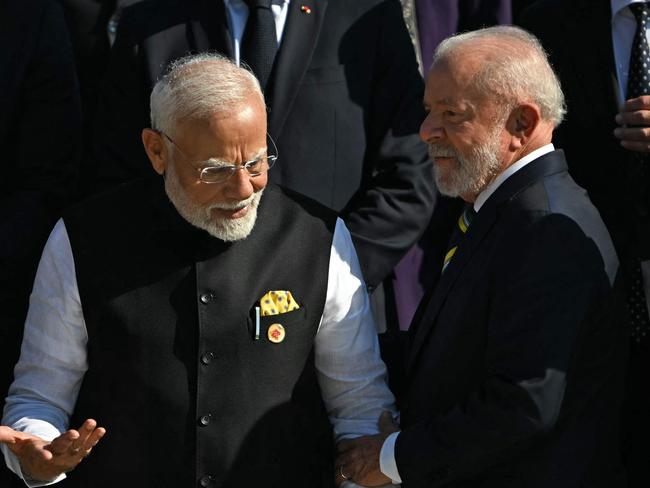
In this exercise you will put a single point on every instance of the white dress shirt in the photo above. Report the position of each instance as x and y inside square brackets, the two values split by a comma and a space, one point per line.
[623, 29]
[237, 13]
[387, 462]
[53, 358]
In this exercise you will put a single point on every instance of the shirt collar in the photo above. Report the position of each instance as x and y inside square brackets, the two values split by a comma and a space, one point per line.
[508, 172]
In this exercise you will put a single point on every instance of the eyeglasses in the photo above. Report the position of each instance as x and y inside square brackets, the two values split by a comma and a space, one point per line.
[216, 171]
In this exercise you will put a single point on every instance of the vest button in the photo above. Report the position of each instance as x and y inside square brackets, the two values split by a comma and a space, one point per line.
[207, 358]
[205, 419]
[206, 298]
[206, 480]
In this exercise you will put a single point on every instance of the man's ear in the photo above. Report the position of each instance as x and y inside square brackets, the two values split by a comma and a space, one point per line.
[156, 150]
[525, 118]
[522, 123]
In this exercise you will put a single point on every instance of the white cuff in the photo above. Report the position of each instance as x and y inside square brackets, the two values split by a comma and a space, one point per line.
[40, 428]
[387, 463]
[14, 465]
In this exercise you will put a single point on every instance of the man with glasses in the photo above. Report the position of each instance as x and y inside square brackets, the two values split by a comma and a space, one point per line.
[218, 328]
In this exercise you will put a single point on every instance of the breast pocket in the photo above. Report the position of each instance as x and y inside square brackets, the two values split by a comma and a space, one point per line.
[282, 330]
[282, 347]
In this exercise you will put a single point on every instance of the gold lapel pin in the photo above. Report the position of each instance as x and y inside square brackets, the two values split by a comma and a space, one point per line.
[276, 333]
[305, 9]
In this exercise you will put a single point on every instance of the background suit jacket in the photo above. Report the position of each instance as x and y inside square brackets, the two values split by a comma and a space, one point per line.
[345, 104]
[578, 36]
[40, 132]
[88, 26]
[40, 124]
[517, 355]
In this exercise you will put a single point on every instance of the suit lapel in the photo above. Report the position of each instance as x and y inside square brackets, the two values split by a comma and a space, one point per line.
[298, 42]
[208, 28]
[483, 222]
[428, 312]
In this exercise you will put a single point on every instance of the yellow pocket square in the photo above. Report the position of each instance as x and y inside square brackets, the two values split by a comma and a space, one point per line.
[277, 302]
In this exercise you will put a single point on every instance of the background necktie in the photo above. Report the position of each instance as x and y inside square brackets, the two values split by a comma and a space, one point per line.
[464, 221]
[638, 84]
[260, 41]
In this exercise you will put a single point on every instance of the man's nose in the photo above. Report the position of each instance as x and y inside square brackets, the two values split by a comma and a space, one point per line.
[239, 186]
[430, 129]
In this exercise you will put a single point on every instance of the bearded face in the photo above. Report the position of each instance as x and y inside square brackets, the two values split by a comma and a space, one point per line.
[467, 172]
[204, 216]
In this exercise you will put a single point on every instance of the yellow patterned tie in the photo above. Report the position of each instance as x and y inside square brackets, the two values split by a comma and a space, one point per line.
[277, 302]
[464, 221]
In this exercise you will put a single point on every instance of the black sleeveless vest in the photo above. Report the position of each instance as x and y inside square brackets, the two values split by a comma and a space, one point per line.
[189, 397]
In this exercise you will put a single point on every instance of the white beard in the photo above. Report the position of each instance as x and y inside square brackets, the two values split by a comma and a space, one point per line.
[201, 215]
[472, 172]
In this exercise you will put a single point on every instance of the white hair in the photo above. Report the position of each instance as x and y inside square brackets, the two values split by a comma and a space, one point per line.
[514, 67]
[196, 87]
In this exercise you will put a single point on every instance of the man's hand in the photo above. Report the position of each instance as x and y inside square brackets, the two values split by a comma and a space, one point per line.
[11, 436]
[42, 460]
[635, 115]
[358, 459]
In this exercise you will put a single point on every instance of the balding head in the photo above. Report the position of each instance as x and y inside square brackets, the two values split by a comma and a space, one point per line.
[510, 66]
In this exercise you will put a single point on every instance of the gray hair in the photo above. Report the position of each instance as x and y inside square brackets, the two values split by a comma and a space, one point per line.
[197, 86]
[514, 67]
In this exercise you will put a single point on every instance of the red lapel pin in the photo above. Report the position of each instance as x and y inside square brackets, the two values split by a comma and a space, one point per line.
[305, 9]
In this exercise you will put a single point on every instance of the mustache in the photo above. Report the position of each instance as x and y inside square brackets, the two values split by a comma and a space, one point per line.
[440, 151]
[237, 205]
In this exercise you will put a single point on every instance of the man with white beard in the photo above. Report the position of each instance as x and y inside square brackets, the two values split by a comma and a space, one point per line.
[516, 362]
[217, 330]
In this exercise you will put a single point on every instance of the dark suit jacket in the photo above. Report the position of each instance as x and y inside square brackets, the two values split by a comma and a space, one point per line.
[578, 36]
[39, 134]
[87, 22]
[344, 108]
[517, 355]
[40, 123]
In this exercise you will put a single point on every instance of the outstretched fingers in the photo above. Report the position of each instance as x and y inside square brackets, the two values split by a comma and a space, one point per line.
[62, 445]
[71, 447]
[87, 437]
[91, 440]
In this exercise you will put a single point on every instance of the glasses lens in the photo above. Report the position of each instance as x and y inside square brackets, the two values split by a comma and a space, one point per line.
[216, 175]
[259, 166]
[256, 167]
